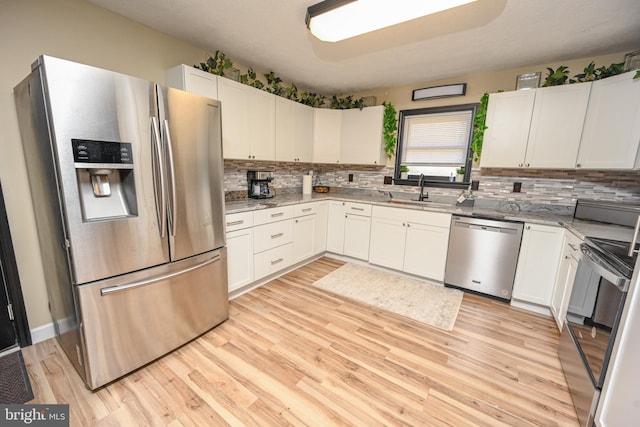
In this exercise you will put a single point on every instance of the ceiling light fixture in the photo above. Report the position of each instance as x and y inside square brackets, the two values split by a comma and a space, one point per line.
[335, 20]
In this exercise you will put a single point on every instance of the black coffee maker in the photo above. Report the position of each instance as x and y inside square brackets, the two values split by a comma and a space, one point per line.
[258, 182]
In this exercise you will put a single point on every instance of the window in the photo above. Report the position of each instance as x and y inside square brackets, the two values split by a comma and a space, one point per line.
[435, 142]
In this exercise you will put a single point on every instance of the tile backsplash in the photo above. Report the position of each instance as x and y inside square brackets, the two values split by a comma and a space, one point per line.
[559, 187]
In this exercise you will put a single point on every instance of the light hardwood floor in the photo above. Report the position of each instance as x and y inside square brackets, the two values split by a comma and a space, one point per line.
[291, 354]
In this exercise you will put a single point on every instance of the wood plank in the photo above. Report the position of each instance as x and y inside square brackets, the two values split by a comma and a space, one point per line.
[293, 354]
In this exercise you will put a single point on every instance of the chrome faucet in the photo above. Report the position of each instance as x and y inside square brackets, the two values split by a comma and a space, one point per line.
[421, 184]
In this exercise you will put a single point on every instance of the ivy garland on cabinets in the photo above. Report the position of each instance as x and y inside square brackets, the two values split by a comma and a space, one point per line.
[219, 63]
[590, 73]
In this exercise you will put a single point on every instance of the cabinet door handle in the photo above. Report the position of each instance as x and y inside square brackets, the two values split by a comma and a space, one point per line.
[276, 261]
[275, 215]
[240, 221]
[275, 236]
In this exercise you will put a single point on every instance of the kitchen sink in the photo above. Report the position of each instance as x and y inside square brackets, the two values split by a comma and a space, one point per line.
[425, 203]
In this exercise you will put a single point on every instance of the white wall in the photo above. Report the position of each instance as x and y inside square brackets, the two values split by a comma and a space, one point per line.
[78, 31]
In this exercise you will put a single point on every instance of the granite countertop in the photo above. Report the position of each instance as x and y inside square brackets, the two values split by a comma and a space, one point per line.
[509, 211]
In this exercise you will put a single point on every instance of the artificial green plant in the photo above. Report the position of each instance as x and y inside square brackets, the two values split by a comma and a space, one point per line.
[389, 129]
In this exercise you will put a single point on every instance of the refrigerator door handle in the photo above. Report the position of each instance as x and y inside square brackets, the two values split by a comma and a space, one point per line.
[172, 171]
[161, 209]
[113, 289]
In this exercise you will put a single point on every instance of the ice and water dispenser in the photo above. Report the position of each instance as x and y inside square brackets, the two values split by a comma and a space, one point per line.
[104, 171]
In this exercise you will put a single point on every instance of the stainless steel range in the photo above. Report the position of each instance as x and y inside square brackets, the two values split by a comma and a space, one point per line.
[597, 299]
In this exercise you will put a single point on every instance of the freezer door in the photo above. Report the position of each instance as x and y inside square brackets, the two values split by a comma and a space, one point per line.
[111, 207]
[190, 127]
[130, 321]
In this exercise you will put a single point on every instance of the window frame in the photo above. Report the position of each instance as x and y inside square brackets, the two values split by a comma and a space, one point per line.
[433, 181]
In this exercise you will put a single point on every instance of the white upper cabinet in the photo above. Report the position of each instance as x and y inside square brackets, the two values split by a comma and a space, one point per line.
[327, 129]
[248, 121]
[361, 136]
[294, 131]
[539, 128]
[508, 121]
[262, 125]
[193, 80]
[351, 136]
[612, 126]
[556, 126]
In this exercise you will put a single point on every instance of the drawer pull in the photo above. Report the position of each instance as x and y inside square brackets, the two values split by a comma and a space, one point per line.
[275, 236]
[572, 246]
[276, 261]
[357, 209]
[306, 209]
[238, 222]
[274, 215]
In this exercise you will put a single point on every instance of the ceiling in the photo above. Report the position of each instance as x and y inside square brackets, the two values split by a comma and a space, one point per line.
[487, 35]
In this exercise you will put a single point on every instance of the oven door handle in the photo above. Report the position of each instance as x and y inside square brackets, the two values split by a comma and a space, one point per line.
[632, 246]
[596, 264]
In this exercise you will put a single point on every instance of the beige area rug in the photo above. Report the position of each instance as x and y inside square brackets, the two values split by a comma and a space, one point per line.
[419, 300]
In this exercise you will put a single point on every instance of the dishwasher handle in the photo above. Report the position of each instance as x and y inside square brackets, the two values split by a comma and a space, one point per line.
[480, 227]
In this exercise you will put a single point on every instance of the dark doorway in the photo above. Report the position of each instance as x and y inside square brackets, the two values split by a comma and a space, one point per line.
[14, 328]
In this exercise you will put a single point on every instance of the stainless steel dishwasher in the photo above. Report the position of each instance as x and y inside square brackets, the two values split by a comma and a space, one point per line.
[482, 255]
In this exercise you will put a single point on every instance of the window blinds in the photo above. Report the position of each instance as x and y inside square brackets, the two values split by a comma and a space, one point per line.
[438, 139]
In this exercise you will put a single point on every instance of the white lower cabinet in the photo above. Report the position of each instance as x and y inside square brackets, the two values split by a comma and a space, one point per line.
[348, 229]
[335, 227]
[356, 236]
[388, 240]
[566, 275]
[426, 250]
[322, 216]
[273, 260]
[272, 240]
[239, 249]
[304, 236]
[538, 264]
[272, 247]
[411, 241]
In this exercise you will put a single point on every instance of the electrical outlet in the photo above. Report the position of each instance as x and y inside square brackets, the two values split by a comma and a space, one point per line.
[517, 187]
[350, 177]
[475, 185]
[388, 180]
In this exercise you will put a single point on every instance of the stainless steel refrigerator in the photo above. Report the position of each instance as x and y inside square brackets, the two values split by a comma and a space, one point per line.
[126, 179]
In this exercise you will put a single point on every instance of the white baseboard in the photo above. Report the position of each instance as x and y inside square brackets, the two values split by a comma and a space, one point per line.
[42, 333]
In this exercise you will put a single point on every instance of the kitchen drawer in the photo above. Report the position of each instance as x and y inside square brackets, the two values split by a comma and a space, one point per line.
[238, 221]
[305, 209]
[273, 260]
[269, 236]
[265, 216]
[358, 209]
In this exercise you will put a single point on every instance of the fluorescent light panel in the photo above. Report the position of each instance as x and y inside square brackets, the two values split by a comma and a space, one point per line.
[335, 20]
